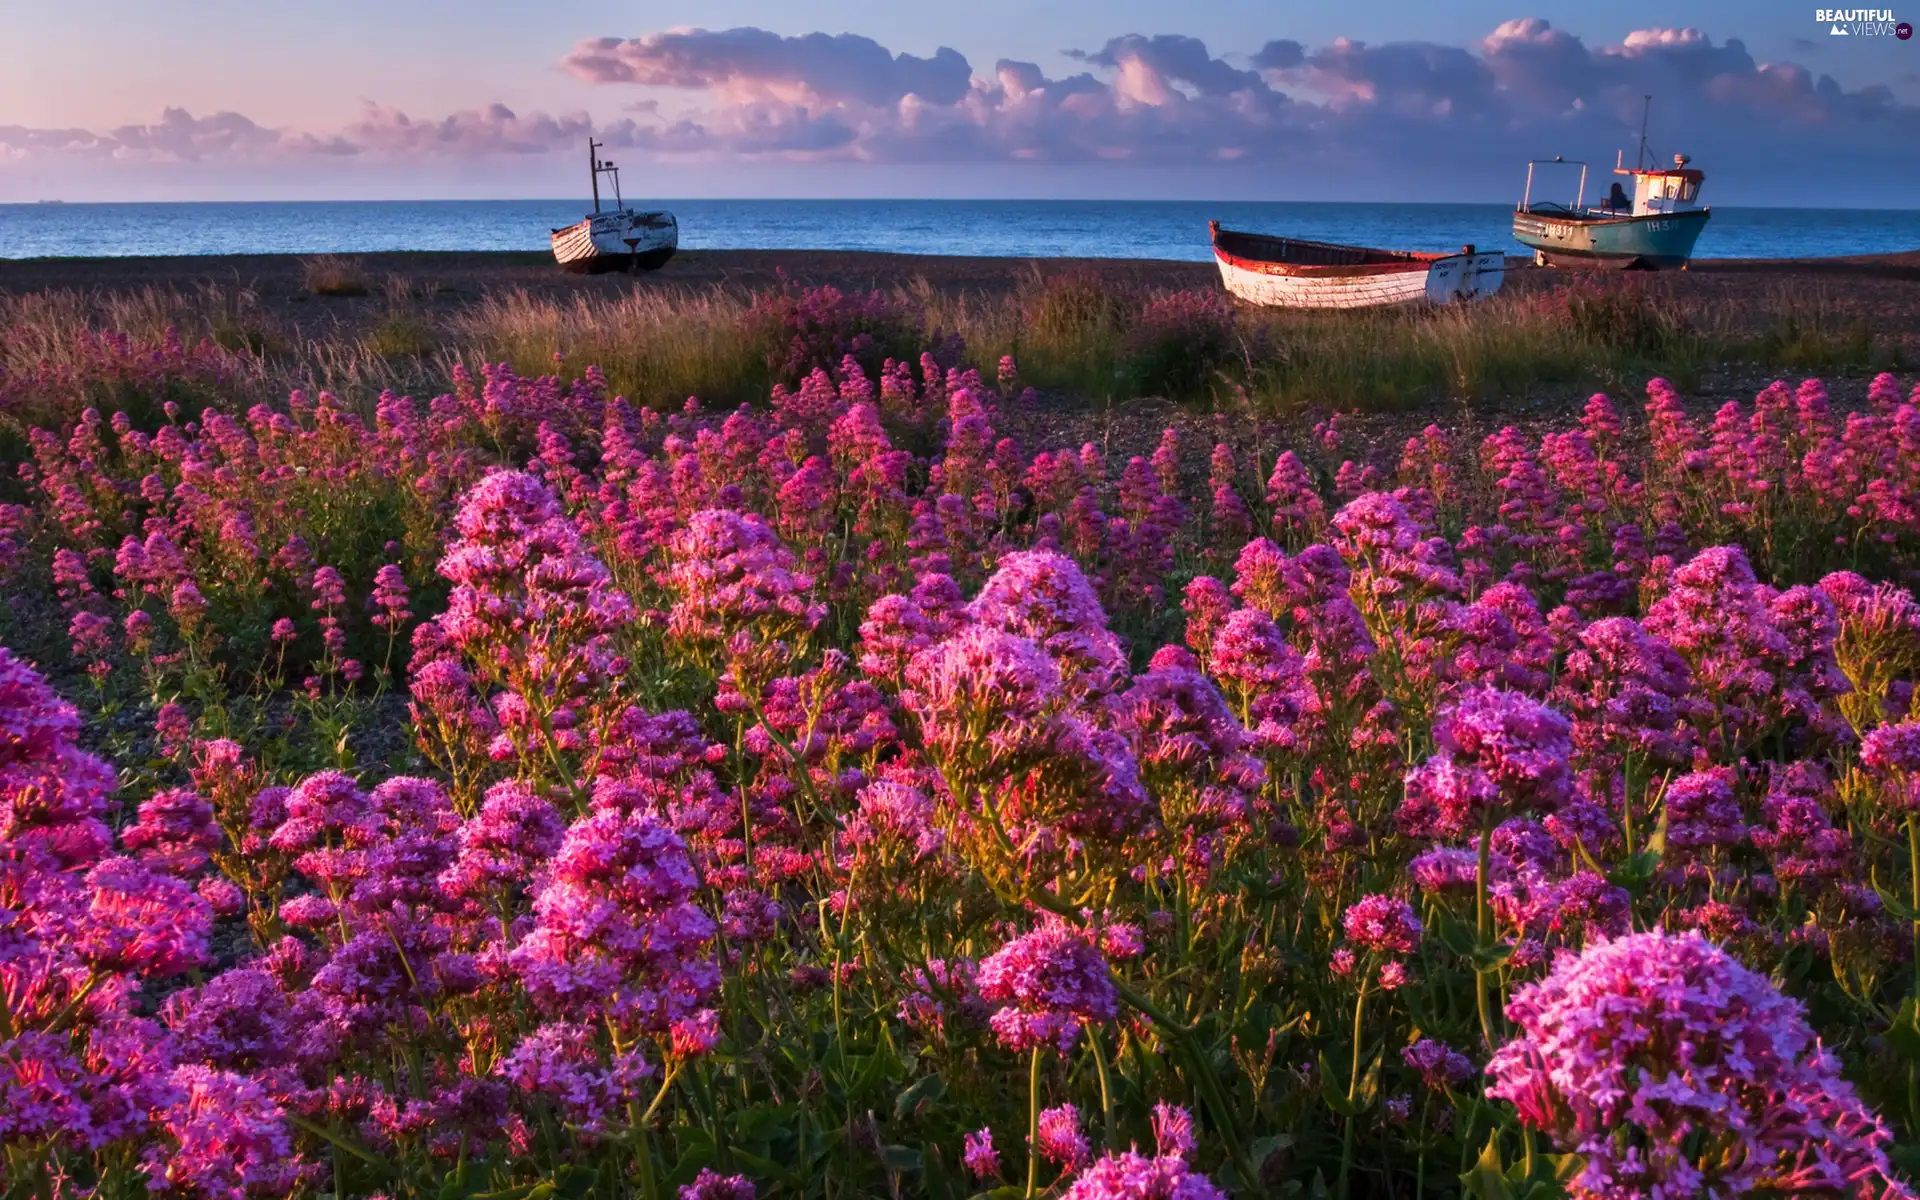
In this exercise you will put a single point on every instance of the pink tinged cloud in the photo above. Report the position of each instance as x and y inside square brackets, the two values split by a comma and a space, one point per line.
[1392, 110]
[1527, 88]
[747, 62]
[179, 136]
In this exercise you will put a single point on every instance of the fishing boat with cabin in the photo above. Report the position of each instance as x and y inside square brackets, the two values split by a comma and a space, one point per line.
[621, 239]
[1280, 272]
[1655, 228]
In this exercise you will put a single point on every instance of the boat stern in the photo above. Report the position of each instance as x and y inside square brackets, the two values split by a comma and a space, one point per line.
[1470, 275]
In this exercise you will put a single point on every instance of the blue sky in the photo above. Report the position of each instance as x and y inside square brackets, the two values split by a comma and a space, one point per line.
[491, 97]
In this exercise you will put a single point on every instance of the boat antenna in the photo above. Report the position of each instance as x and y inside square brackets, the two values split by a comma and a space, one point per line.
[593, 160]
[1640, 163]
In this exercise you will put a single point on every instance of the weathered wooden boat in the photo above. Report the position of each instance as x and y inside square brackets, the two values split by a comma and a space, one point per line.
[1654, 228]
[1279, 272]
[620, 239]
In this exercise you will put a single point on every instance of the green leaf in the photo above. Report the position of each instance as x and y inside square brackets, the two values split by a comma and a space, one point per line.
[1657, 844]
[573, 1179]
[1904, 1034]
[760, 1123]
[527, 1191]
[1487, 1179]
[1898, 908]
[873, 1069]
[900, 1158]
[691, 1158]
[924, 1090]
[765, 1168]
[1267, 1147]
[1369, 1087]
[1455, 934]
[1333, 1089]
[456, 1184]
[933, 1174]
[1488, 958]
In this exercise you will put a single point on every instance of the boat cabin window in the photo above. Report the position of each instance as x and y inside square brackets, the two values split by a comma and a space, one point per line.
[1673, 187]
[1665, 192]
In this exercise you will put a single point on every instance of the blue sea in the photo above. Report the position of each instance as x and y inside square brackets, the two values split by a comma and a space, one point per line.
[1014, 228]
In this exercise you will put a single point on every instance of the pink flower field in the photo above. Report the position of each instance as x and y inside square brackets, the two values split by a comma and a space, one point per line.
[522, 794]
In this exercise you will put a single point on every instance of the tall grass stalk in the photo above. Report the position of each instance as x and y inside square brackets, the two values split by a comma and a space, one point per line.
[651, 346]
[1071, 333]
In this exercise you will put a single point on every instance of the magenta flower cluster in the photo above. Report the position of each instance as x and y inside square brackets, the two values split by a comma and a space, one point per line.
[1672, 1069]
[527, 792]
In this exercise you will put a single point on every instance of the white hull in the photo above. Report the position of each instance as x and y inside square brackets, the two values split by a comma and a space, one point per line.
[617, 240]
[1455, 277]
[1466, 276]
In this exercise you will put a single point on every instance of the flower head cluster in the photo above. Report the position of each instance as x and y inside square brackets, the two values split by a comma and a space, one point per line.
[616, 930]
[1133, 1176]
[1382, 925]
[1440, 1065]
[980, 1157]
[1042, 596]
[532, 610]
[1515, 744]
[52, 793]
[1892, 754]
[730, 574]
[982, 681]
[1673, 1070]
[1049, 984]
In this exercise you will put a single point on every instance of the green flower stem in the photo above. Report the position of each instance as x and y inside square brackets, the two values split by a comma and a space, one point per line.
[1913, 861]
[1033, 1125]
[1483, 926]
[1353, 1089]
[1106, 1088]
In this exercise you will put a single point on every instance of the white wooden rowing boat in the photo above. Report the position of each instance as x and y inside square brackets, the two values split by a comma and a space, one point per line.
[618, 239]
[1293, 273]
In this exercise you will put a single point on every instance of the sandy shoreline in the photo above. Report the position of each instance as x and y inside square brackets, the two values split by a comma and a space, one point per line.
[277, 273]
[1880, 292]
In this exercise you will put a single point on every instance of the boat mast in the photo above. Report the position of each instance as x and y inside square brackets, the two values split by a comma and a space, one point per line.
[1640, 162]
[593, 160]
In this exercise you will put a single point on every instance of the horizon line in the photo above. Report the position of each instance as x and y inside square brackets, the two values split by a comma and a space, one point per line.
[57, 202]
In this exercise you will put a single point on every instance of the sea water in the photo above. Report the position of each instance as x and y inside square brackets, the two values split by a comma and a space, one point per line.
[1164, 229]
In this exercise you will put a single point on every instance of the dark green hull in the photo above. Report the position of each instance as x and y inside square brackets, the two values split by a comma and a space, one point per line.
[1657, 241]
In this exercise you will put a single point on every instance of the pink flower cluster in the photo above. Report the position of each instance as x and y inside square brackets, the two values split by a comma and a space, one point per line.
[1672, 1069]
[840, 756]
[1049, 984]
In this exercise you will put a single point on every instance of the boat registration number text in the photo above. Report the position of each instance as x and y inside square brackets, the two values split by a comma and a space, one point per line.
[1562, 232]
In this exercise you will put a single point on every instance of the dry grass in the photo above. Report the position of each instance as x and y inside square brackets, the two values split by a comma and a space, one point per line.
[402, 335]
[1069, 335]
[334, 275]
[651, 346]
